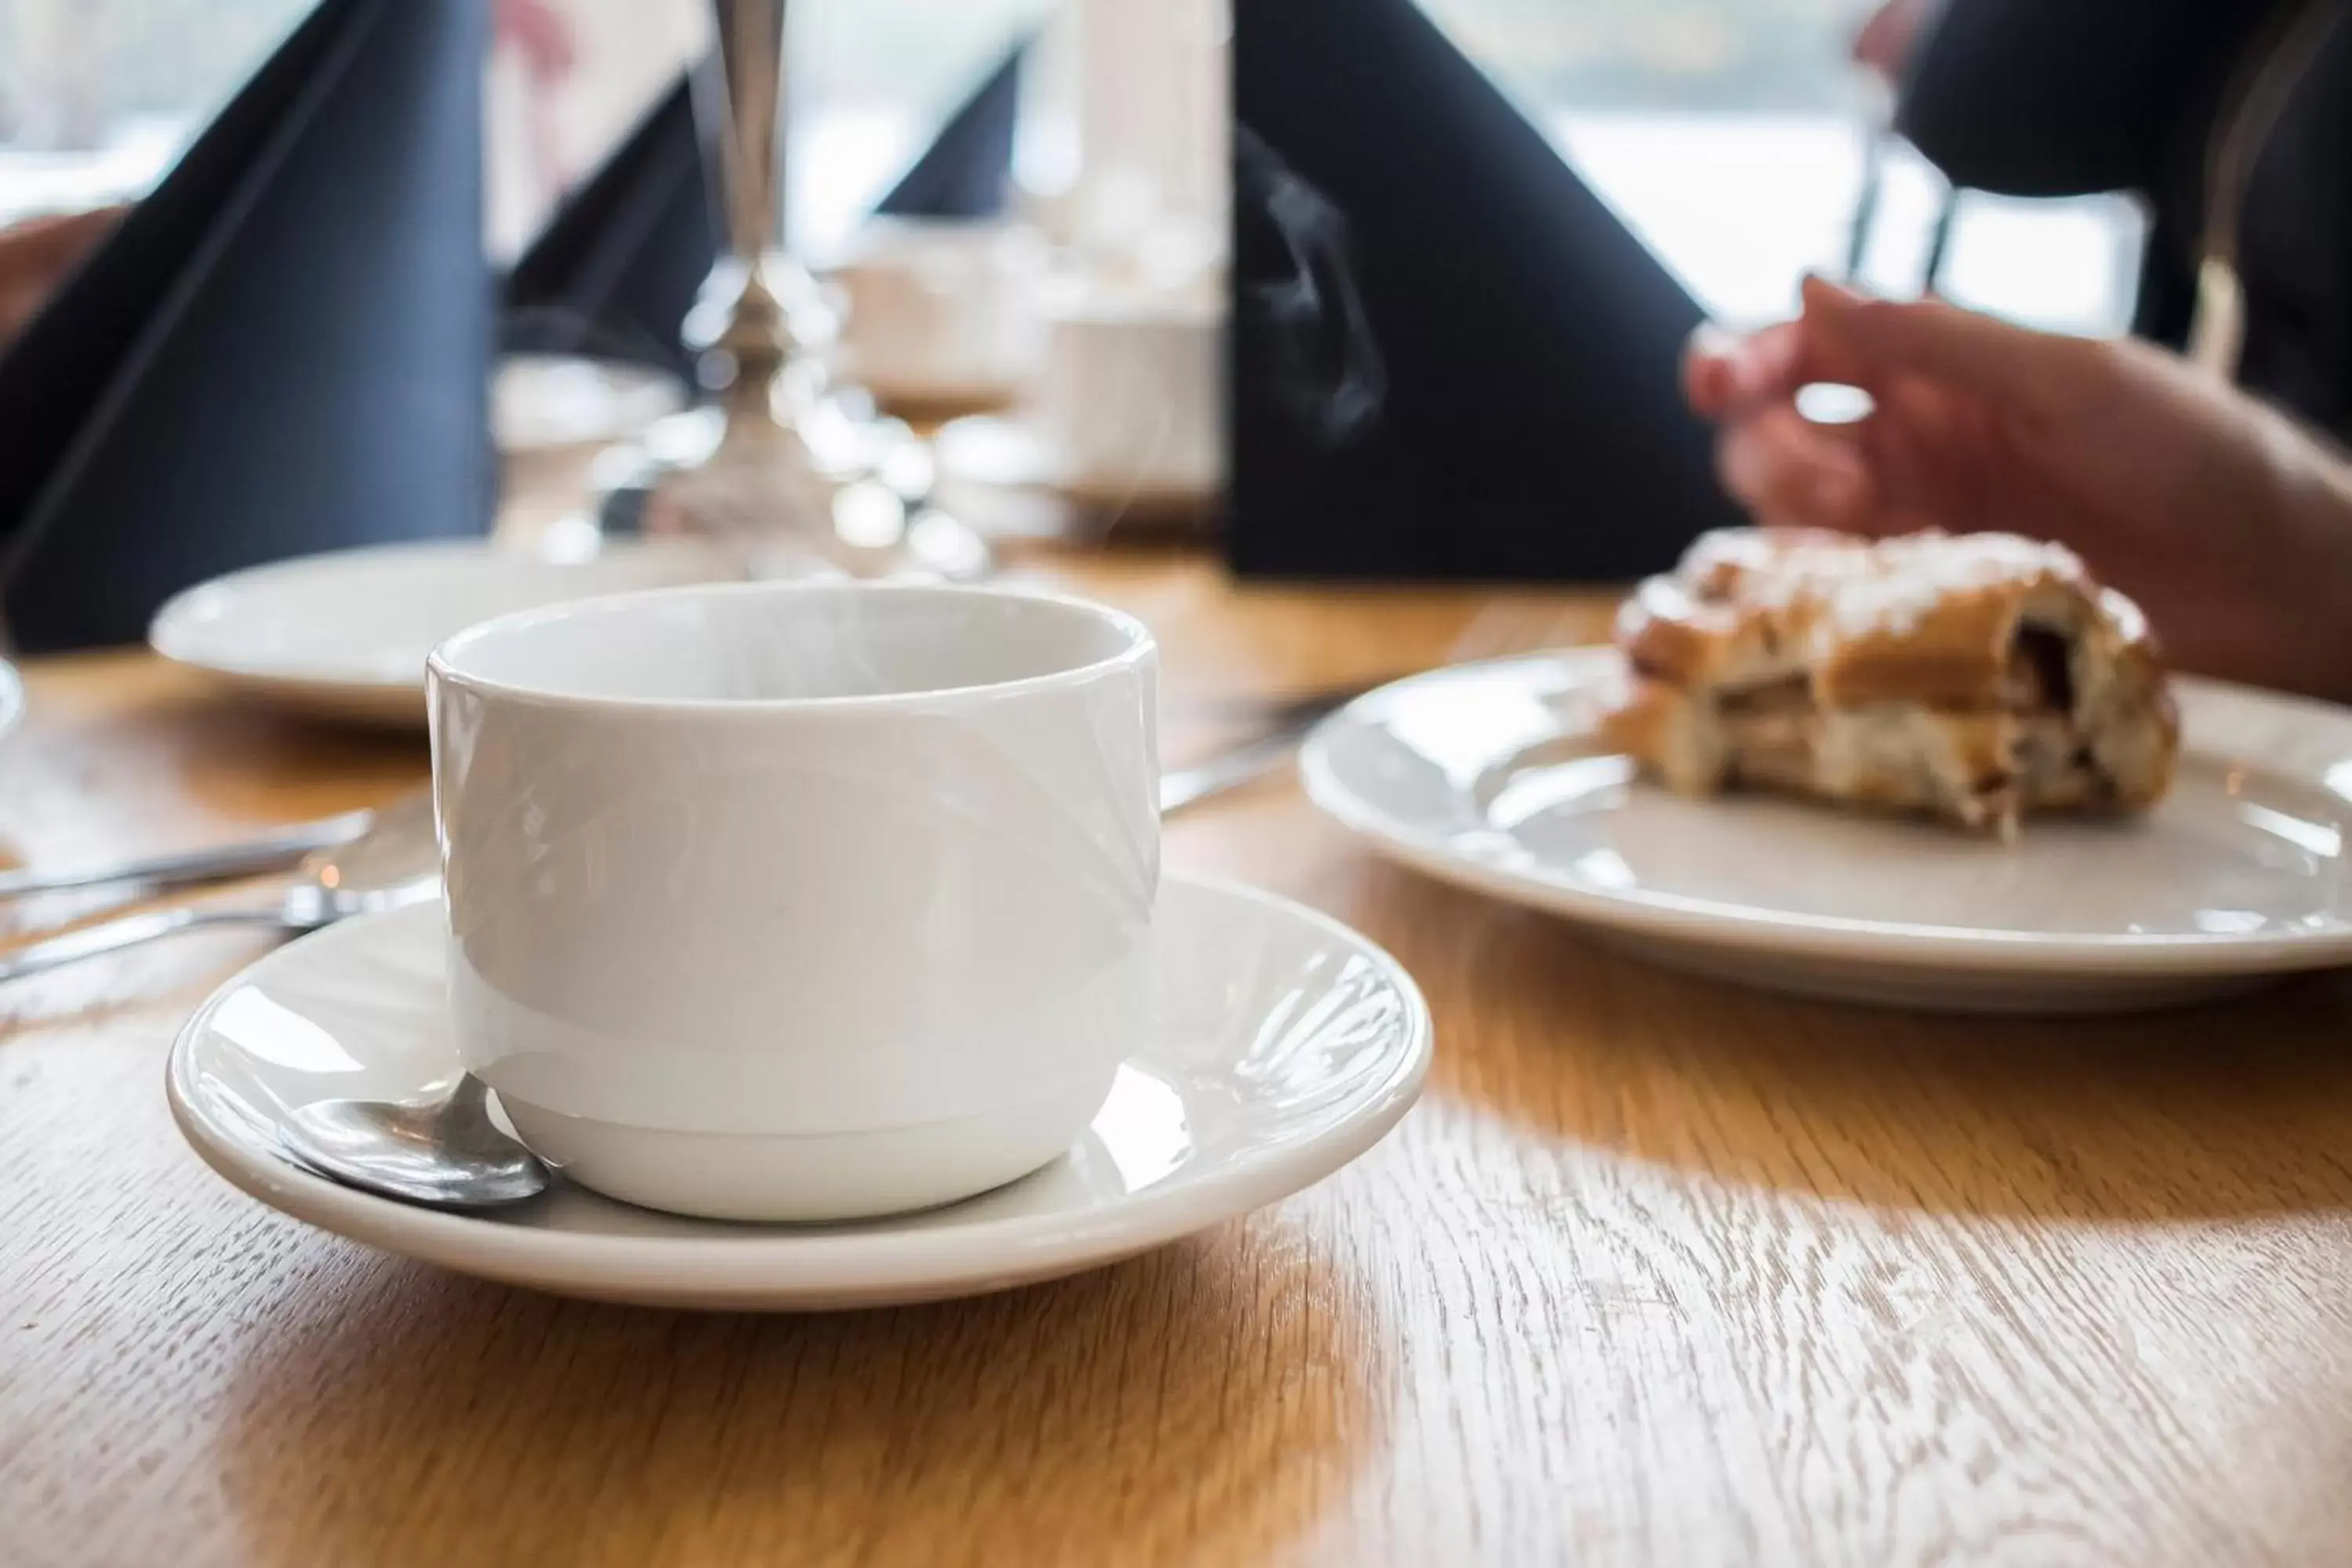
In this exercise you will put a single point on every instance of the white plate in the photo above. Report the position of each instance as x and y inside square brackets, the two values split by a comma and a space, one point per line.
[344, 635]
[1486, 775]
[543, 402]
[12, 697]
[1283, 1046]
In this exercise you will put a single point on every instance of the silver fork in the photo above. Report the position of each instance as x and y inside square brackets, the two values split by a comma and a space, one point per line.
[1255, 757]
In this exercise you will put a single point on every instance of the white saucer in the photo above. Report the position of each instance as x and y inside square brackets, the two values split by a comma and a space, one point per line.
[1285, 1046]
[344, 635]
[1485, 775]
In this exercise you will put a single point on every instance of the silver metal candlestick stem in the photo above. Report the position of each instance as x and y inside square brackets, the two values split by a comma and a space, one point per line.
[761, 486]
[744, 104]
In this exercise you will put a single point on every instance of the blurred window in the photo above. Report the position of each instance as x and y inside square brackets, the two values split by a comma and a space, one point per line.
[1731, 135]
[98, 97]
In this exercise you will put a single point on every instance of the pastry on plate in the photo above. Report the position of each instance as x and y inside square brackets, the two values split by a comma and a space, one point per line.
[1979, 676]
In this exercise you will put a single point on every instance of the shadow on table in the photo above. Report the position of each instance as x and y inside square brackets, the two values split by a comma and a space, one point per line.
[2235, 1107]
[1202, 1398]
[229, 748]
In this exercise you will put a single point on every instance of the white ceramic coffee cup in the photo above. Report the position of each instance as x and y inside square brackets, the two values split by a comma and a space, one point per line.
[798, 900]
[1131, 400]
[941, 311]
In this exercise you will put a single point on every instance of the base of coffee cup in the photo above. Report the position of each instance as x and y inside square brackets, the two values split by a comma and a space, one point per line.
[813, 1177]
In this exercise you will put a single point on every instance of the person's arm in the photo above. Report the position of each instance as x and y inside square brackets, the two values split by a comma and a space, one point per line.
[2230, 524]
[2047, 97]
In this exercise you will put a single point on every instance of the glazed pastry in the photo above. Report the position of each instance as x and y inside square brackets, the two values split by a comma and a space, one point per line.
[1979, 676]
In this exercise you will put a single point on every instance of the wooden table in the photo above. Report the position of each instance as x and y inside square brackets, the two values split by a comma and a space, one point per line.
[1659, 1271]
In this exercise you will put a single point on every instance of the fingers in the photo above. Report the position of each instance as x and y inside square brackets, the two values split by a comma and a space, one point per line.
[1846, 337]
[1706, 370]
[1725, 374]
[1951, 389]
[1876, 339]
[1789, 472]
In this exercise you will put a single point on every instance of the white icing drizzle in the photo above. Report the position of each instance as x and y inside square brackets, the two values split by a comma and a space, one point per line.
[1847, 589]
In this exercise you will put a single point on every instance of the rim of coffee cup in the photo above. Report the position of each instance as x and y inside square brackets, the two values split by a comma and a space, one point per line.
[1138, 646]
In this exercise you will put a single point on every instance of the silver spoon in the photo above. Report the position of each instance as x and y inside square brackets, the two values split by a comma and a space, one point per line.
[394, 863]
[445, 1152]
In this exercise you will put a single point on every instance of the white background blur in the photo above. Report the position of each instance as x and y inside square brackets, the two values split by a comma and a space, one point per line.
[1728, 134]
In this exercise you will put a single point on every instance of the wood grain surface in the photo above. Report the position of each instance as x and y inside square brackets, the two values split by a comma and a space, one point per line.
[1658, 1272]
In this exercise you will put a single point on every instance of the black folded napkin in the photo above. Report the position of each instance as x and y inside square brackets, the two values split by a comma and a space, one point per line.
[1449, 358]
[283, 349]
[967, 170]
[615, 271]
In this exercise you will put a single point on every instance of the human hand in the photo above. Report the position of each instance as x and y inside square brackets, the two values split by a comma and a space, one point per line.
[1887, 40]
[35, 255]
[2231, 527]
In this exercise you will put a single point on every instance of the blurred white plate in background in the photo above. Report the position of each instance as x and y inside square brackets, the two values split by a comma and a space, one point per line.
[344, 635]
[1487, 775]
[542, 401]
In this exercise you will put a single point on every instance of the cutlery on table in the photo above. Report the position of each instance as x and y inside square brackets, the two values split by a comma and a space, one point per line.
[271, 851]
[393, 862]
[1255, 758]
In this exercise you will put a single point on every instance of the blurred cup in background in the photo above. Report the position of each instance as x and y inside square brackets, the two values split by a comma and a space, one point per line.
[943, 314]
[1131, 398]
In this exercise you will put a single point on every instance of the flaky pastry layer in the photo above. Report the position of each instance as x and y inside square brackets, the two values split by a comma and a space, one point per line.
[1976, 675]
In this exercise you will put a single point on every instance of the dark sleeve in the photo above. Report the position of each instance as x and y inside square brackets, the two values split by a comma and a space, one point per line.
[2047, 97]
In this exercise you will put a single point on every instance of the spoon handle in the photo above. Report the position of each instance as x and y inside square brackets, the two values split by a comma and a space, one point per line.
[130, 930]
[1233, 769]
[269, 852]
[1255, 757]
